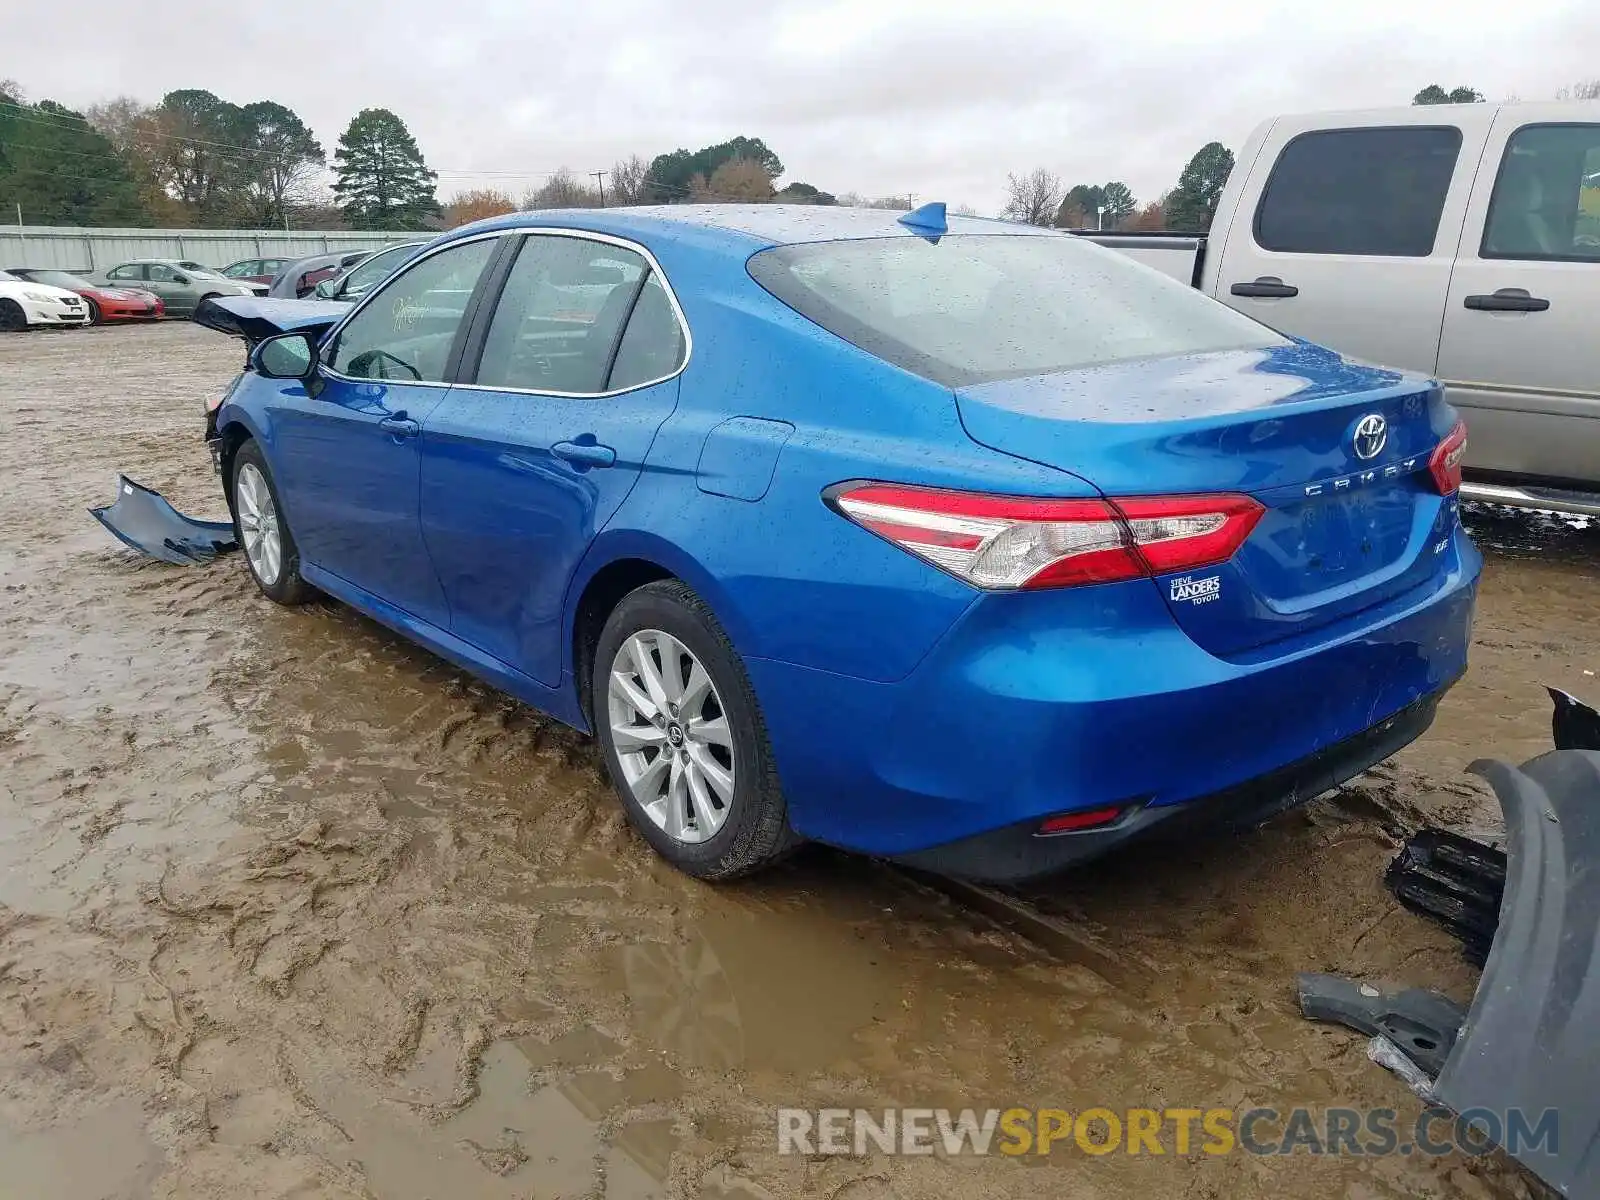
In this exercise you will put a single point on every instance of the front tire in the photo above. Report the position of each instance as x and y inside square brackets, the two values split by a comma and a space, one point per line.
[12, 318]
[269, 548]
[94, 311]
[683, 736]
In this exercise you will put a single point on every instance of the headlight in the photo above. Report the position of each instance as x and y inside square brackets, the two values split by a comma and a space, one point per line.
[41, 297]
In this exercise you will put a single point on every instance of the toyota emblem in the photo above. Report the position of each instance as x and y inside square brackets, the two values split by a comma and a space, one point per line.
[1372, 433]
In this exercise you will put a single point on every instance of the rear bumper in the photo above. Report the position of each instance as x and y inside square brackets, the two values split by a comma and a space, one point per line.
[1018, 853]
[1042, 703]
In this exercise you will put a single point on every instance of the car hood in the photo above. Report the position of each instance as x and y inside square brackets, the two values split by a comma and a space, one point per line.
[256, 318]
[10, 288]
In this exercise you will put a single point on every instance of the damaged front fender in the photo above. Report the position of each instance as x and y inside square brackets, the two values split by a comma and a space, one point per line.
[143, 520]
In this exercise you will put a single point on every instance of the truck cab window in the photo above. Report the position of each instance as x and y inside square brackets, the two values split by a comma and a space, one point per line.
[1374, 191]
[1546, 201]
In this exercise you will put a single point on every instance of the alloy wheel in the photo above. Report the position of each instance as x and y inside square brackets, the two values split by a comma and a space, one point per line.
[671, 736]
[258, 522]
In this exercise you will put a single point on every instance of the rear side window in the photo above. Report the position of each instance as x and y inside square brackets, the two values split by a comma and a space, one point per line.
[974, 308]
[557, 325]
[653, 344]
[1359, 191]
[1546, 201]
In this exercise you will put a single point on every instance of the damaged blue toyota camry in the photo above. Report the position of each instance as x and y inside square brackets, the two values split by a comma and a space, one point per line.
[966, 544]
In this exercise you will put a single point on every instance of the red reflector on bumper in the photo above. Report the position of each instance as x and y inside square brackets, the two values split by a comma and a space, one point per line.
[1089, 818]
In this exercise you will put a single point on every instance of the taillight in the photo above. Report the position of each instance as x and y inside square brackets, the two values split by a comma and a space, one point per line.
[1005, 542]
[1445, 463]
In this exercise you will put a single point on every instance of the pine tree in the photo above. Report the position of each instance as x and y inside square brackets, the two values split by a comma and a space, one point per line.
[383, 183]
[1191, 205]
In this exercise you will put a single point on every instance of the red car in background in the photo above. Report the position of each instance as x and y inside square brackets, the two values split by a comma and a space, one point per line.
[104, 303]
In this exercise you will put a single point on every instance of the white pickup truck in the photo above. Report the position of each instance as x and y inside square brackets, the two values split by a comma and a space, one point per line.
[1461, 241]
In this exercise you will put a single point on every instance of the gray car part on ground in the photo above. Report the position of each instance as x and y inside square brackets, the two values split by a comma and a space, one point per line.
[1532, 1036]
[142, 519]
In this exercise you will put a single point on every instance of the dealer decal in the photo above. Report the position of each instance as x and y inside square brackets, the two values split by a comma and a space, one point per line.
[1197, 591]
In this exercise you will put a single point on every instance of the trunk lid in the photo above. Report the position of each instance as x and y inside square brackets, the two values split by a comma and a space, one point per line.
[1340, 532]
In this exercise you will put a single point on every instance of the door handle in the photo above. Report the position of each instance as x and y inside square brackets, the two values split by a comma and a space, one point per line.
[585, 452]
[400, 426]
[1508, 300]
[1266, 286]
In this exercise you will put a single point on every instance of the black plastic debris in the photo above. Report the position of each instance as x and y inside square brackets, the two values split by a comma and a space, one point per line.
[1573, 725]
[1454, 881]
[143, 520]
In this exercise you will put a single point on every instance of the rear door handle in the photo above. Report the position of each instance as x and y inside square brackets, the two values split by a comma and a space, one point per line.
[1266, 286]
[1508, 300]
[400, 426]
[585, 452]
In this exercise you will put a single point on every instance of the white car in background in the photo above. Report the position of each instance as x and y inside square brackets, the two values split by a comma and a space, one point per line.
[28, 305]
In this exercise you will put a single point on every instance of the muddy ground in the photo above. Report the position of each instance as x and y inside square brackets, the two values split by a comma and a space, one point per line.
[291, 908]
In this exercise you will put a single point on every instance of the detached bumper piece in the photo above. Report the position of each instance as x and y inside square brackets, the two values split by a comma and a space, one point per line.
[1528, 1044]
[144, 521]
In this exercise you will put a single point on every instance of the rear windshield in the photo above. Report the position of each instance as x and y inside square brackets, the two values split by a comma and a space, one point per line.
[974, 308]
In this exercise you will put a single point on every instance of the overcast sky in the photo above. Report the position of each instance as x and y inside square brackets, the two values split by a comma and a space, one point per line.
[936, 98]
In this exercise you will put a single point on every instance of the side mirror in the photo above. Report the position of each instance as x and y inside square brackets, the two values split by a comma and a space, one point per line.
[180, 279]
[286, 356]
[325, 289]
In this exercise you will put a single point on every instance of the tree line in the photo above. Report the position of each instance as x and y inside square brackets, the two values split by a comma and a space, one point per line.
[195, 159]
[1039, 198]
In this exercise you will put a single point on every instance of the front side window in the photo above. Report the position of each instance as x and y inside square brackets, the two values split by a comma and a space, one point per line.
[161, 273]
[405, 332]
[557, 325]
[241, 270]
[1546, 200]
[975, 308]
[1359, 191]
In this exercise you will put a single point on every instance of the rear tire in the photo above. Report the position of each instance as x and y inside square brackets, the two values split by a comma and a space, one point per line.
[12, 318]
[683, 736]
[94, 310]
[269, 548]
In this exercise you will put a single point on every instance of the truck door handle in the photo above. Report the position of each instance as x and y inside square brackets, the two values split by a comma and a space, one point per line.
[400, 426]
[585, 452]
[1508, 300]
[1266, 286]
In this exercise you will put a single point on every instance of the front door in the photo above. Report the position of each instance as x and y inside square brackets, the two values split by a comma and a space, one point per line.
[1352, 241]
[534, 451]
[1520, 356]
[348, 455]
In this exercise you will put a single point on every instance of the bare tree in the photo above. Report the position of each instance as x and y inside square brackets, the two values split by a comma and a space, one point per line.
[963, 210]
[737, 181]
[562, 190]
[1034, 198]
[627, 183]
[1588, 89]
[11, 91]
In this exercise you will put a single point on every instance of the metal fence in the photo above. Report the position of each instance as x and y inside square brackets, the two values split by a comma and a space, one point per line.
[72, 249]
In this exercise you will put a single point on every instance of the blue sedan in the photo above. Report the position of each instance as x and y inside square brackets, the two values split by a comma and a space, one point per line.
[967, 544]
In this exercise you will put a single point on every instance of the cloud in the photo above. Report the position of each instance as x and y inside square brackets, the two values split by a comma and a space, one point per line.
[879, 96]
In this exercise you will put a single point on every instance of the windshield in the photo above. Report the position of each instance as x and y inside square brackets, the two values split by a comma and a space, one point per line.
[973, 308]
[59, 279]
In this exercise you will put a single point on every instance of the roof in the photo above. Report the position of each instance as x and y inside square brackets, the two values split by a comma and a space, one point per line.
[750, 226]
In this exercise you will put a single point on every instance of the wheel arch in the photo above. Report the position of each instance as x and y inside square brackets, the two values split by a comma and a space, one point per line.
[616, 565]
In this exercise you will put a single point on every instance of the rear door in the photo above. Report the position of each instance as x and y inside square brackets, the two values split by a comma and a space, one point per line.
[1520, 355]
[347, 457]
[533, 452]
[1351, 239]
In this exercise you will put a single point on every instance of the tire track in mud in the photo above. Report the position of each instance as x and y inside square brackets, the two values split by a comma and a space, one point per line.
[332, 916]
